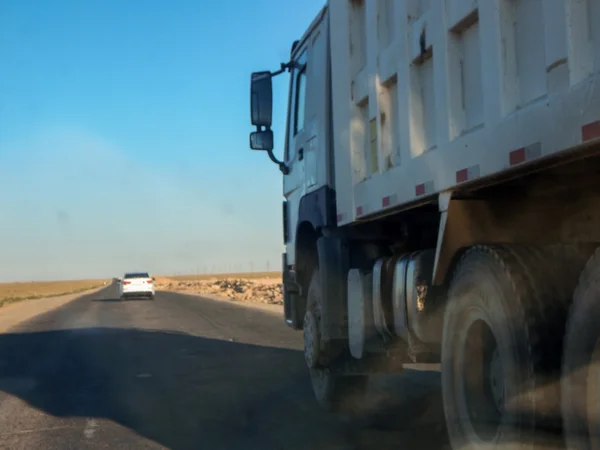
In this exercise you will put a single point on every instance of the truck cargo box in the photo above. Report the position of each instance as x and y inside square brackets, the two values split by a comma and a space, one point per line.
[430, 94]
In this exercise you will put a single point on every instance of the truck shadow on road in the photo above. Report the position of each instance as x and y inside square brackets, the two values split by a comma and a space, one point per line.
[188, 392]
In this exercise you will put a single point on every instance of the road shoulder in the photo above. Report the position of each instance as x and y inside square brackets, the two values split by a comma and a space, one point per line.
[15, 313]
[271, 309]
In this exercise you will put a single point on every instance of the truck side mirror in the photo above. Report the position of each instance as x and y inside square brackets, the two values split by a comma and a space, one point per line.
[261, 100]
[261, 140]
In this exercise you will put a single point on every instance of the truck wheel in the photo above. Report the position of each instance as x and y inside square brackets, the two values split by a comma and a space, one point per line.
[503, 327]
[335, 393]
[580, 380]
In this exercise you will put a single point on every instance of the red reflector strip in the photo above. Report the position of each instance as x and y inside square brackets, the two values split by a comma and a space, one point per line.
[590, 131]
[523, 154]
[359, 211]
[467, 174]
[517, 156]
[462, 175]
[424, 188]
[389, 200]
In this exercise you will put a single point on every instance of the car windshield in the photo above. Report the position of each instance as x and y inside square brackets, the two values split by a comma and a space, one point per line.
[136, 275]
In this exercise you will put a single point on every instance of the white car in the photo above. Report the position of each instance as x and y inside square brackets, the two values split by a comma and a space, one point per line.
[136, 284]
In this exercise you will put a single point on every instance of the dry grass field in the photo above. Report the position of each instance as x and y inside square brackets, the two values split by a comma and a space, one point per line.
[14, 292]
[227, 276]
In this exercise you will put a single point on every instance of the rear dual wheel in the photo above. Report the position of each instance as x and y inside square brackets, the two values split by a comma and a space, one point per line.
[580, 379]
[501, 344]
[334, 392]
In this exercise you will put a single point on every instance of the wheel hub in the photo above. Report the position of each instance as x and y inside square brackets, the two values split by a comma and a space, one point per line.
[481, 380]
[497, 380]
[312, 340]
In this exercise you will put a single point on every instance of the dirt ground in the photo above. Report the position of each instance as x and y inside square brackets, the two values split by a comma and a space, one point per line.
[248, 288]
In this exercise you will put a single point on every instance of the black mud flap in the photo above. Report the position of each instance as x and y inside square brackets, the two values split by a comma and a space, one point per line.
[332, 268]
[291, 291]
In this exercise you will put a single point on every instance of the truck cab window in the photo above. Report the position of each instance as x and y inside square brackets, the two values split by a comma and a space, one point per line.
[296, 111]
[300, 100]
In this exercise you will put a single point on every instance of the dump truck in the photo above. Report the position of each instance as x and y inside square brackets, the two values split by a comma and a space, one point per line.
[442, 204]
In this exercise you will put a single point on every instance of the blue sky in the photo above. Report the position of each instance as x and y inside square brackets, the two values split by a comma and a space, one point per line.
[124, 135]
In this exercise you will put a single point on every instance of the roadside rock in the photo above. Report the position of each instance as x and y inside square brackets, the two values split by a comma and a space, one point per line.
[236, 289]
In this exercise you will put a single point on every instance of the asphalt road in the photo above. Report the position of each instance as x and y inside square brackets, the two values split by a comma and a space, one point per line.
[181, 372]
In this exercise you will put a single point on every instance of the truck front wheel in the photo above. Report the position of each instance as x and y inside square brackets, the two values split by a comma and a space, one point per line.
[334, 392]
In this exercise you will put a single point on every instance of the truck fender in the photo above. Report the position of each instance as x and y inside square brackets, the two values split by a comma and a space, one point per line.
[318, 208]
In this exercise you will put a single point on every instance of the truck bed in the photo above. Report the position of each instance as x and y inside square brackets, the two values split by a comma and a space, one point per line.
[431, 94]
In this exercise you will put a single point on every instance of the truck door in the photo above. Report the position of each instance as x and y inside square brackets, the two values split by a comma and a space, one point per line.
[294, 186]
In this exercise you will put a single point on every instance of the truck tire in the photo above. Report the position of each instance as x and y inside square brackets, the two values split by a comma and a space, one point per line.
[503, 327]
[581, 363]
[335, 393]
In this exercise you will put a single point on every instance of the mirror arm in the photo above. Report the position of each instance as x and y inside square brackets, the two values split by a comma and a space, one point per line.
[282, 166]
[284, 67]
